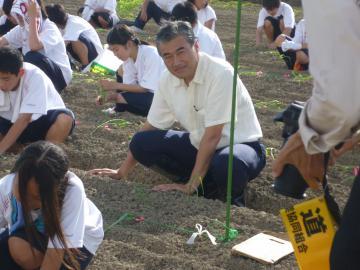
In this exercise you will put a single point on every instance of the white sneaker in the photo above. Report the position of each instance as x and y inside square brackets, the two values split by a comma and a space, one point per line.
[109, 111]
[136, 30]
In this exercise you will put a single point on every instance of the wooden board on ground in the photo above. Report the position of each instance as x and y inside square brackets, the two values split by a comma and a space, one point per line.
[263, 248]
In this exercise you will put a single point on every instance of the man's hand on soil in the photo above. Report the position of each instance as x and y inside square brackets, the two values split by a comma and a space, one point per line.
[311, 167]
[114, 174]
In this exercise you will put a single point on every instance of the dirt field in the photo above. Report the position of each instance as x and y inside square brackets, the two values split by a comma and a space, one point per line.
[159, 241]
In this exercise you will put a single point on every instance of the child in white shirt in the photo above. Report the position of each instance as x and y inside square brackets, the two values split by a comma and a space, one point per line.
[206, 14]
[7, 22]
[209, 41]
[156, 9]
[46, 219]
[275, 18]
[81, 39]
[40, 41]
[141, 72]
[100, 13]
[296, 53]
[30, 107]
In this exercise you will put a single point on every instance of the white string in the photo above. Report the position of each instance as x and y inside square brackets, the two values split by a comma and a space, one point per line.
[199, 232]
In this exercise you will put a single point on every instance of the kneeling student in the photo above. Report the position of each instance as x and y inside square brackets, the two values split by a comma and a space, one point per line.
[46, 219]
[7, 22]
[275, 18]
[295, 51]
[140, 72]
[81, 39]
[208, 40]
[100, 13]
[40, 41]
[206, 14]
[30, 107]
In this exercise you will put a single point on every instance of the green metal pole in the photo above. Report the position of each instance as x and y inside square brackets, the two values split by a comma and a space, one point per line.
[232, 127]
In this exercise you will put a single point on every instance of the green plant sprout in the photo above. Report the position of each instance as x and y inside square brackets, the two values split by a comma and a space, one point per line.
[118, 122]
[300, 77]
[270, 152]
[274, 105]
[122, 218]
[248, 73]
[102, 93]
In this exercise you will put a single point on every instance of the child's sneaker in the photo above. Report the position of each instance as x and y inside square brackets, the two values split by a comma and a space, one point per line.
[109, 111]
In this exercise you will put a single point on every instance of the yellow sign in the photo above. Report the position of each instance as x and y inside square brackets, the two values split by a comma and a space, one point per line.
[311, 231]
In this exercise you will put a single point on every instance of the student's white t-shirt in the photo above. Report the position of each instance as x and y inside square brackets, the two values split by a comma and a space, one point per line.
[52, 41]
[91, 5]
[300, 33]
[146, 70]
[75, 26]
[38, 94]
[284, 9]
[207, 14]
[3, 19]
[209, 41]
[204, 103]
[81, 221]
[167, 5]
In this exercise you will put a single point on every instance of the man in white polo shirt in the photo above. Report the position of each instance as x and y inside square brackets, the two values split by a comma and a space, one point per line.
[196, 91]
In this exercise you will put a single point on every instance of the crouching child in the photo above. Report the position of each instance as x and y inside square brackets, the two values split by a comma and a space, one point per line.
[46, 220]
[30, 107]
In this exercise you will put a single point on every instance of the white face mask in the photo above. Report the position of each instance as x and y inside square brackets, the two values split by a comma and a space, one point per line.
[19, 11]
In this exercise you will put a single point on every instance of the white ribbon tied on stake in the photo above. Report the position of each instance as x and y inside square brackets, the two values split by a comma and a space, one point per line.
[200, 232]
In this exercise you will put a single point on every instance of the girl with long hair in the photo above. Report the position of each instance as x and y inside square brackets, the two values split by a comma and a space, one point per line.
[139, 74]
[46, 221]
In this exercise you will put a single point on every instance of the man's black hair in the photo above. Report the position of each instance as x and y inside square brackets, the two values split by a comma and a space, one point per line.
[11, 60]
[271, 4]
[186, 12]
[56, 13]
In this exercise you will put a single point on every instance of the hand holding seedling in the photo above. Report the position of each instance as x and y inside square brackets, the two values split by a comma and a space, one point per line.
[311, 167]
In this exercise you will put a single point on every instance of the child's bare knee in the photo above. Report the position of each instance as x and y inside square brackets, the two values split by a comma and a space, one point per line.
[21, 252]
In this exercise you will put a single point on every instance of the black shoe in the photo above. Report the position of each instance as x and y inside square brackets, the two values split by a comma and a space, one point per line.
[239, 200]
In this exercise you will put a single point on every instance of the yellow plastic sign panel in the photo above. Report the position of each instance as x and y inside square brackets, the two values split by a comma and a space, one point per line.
[311, 231]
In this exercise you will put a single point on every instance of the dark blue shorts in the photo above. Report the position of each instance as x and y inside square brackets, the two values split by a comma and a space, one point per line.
[37, 129]
[106, 16]
[137, 103]
[275, 22]
[50, 68]
[92, 53]
[290, 58]
[6, 27]
[84, 257]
